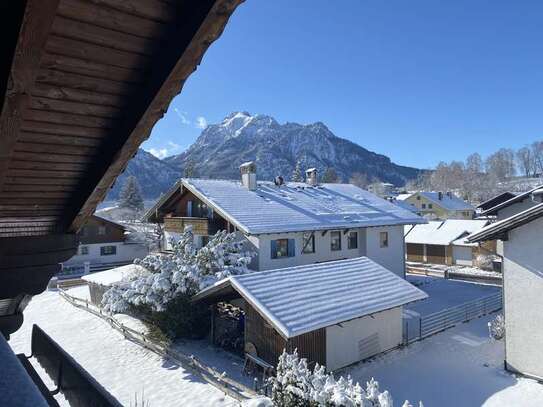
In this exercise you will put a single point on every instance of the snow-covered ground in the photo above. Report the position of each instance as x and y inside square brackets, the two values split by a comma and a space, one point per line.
[125, 369]
[446, 293]
[458, 367]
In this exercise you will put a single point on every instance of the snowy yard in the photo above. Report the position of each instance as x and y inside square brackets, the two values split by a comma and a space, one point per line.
[445, 293]
[459, 367]
[122, 367]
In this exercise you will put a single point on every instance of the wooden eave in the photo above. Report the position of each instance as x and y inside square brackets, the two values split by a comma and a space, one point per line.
[87, 82]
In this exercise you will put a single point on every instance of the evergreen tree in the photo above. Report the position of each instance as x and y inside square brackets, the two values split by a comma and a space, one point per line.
[297, 173]
[130, 196]
[189, 170]
[330, 176]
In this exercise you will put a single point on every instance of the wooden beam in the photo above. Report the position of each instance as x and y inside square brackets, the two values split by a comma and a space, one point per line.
[37, 21]
[195, 29]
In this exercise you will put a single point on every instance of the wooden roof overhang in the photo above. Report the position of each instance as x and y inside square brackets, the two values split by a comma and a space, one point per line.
[86, 82]
[82, 83]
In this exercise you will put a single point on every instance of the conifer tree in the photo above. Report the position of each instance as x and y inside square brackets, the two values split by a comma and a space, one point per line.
[297, 173]
[130, 195]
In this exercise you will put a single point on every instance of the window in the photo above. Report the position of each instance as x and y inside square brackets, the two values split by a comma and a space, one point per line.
[335, 241]
[83, 250]
[352, 243]
[383, 239]
[108, 250]
[308, 243]
[101, 230]
[282, 248]
[430, 206]
[418, 197]
[423, 206]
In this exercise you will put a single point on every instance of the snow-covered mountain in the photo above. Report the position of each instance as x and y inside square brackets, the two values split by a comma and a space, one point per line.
[240, 137]
[154, 175]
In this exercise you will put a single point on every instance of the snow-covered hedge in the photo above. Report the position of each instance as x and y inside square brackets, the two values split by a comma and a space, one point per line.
[175, 277]
[295, 385]
[496, 327]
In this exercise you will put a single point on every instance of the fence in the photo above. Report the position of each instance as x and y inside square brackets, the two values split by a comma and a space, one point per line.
[439, 321]
[231, 387]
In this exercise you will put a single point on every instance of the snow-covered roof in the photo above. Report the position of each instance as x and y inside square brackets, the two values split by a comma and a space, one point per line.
[518, 198]
[297, 206]
[403, 197]
[498, 229]
[447, 201]
[296, 300]
[444, 232]
[114, 275]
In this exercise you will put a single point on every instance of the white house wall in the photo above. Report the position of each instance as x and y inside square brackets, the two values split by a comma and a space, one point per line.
[125, 252]
[361, 338]
[322, 250]
[391, 257]
[523, 299]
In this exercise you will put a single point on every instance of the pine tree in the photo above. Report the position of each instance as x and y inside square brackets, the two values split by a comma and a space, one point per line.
[130, 196]
[297, 173]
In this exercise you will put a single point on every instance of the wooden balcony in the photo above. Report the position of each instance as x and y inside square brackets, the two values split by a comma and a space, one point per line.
[200, 226]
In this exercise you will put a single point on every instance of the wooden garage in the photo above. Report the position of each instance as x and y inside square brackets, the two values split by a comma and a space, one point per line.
[335, 313]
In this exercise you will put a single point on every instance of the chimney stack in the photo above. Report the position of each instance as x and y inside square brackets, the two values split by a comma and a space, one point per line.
[311, 176]
[248, 175]
[440, 195]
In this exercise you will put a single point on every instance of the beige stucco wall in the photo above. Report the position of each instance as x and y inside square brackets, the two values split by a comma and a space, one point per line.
[361, 338]
[523, 298]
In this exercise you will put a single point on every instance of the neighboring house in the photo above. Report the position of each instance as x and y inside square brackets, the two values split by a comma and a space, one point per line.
[494, 201]
[382, 189]
[439, 205]
[512, 206]
[102, 244]
[288, 224]
[521, 235]
[444, 242]
[334, 313]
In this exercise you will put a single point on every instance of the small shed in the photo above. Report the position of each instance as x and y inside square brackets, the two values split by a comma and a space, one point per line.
[335, 313]
[100, 282]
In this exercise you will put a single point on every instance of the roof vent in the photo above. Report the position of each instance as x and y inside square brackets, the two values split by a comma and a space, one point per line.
[311, 176]
[248, 175]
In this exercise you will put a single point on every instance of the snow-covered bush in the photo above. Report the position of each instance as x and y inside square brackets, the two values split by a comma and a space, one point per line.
[295, 385]
[485, 261]
[163, 295]
[496, 327]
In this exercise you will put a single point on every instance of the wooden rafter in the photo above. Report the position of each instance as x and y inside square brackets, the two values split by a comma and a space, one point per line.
[174, 65]
[37, 21]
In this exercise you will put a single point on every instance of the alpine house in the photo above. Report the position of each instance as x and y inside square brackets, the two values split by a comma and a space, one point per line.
[288, 224]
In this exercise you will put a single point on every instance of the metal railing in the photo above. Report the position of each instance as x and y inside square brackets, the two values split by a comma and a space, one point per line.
[439, 321]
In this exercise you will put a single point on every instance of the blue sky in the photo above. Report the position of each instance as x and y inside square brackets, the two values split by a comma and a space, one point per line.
[419, 81]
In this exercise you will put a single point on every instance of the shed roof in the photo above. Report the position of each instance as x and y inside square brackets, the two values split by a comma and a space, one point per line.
[294, 206]
[444, 232]
[114, 275]
[296, 300]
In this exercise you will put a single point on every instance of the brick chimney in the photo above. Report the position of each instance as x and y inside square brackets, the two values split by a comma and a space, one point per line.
[311, 176]
[248, 175]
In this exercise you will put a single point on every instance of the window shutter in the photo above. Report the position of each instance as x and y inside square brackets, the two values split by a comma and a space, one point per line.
[291, 247]
[273, 249]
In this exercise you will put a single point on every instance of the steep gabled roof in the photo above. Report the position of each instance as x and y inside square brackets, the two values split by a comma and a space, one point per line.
[295, 206]
[444, 232]
[301, 299]
[518, 198]
[498, 229]
[450, 203]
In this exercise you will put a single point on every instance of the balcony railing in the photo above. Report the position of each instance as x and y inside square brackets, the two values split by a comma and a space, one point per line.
[200, 226]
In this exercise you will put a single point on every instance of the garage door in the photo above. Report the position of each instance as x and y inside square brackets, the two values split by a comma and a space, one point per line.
[435, 254]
